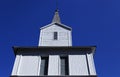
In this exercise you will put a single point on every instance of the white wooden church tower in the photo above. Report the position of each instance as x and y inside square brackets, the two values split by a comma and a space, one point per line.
[54, 56]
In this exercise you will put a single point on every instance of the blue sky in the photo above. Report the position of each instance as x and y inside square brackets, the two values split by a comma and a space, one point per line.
[94, 22]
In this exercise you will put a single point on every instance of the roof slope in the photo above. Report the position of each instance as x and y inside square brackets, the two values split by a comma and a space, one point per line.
[56, 21]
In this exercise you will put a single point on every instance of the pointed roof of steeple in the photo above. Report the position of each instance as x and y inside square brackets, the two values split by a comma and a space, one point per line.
[56, 18]
[56, 21]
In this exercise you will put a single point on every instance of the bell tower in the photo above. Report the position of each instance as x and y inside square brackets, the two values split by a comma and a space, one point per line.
[54, 56]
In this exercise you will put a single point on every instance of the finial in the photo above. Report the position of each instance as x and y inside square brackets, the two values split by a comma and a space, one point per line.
[56, 18]
[56, 5]
[56, 10]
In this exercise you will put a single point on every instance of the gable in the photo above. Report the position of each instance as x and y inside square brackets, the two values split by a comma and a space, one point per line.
[57, 24]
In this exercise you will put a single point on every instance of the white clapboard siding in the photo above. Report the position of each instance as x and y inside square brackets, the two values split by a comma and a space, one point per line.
[16, 65]
[91, 64]
[78, 65]
[46, 36]
[28, 65]
[53, 68]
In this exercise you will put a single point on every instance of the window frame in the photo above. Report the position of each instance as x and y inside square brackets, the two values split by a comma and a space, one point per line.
[55, 35]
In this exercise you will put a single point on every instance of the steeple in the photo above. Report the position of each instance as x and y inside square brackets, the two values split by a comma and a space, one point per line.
[56, 18]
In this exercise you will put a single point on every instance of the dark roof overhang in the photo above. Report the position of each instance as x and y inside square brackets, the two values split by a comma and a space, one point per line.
[53, 48]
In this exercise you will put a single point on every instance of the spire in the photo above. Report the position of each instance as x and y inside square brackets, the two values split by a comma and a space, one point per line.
[56, 18]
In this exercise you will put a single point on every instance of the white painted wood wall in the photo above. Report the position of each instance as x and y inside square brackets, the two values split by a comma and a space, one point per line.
[46, 36]
[30, 65]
